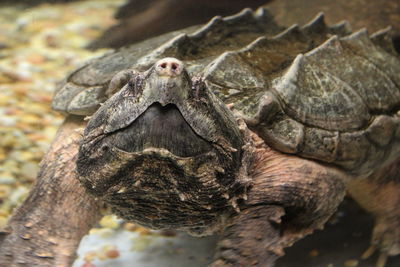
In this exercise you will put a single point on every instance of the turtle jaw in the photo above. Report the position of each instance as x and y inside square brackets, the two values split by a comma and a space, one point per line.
[161, 127]
[161, 124]
[162, 108]
[165, 152]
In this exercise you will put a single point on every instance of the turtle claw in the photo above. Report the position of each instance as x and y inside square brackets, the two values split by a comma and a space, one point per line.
[381, 262]
[386, 240]
[382, 259]
[369, 252]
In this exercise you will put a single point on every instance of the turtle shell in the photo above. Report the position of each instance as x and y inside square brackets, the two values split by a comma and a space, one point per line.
[316, 91]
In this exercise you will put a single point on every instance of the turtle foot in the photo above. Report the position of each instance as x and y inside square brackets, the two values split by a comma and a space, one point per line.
[385, 239]
[379, 194]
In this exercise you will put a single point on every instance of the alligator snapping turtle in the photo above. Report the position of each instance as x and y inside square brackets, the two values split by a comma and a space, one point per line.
[255, 133]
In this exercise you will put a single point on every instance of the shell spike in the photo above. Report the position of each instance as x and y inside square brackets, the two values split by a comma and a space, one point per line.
[385, 39]
[245, 13]
[332, 42]
[317, 24]
[293, 30]
[384, 31]
[342, 28]
[363, 32]
[213, 23]
[263, 14]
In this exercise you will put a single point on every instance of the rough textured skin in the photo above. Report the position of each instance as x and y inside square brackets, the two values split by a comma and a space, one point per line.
[257, 203]
[311, 110]
[290, 197]
[305, 91]
[47, 228]
[200, 176]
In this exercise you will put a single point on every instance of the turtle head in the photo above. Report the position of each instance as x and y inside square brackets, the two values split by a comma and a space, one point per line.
[163, 141]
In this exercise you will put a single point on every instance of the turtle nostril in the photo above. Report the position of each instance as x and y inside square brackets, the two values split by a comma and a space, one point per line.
[169, 67]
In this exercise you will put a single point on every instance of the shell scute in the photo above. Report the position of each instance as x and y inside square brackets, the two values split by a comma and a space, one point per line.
[69, 91]
[320, 144]
[387, 66]
[87, 101]
[305, 90]
[355, 154]
[232, 71]
[362, 73]
[197, 46]
[317, 98]
[286, 135]
[381, 130]
[347, 85]
[384, 39]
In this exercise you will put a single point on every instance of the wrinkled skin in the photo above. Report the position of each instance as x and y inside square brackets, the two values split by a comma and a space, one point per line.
[46, 230]
[212, 176]
[164, 136]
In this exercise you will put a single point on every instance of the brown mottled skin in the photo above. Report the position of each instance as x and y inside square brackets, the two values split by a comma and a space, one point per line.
[310, 113]
[277, 213]
[252, 237]
[379, 195]
[47, 228]
[274, 200]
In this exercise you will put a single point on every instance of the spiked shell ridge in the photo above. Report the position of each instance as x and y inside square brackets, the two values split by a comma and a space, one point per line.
[316, 91]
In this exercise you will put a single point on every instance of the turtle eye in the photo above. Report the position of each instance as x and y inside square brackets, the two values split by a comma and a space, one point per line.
[396, 43]
[131, 83]
[199, 87]
[132, 86]
[135, 85]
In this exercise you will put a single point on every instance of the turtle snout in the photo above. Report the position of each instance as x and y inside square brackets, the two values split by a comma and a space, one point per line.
[169, 67]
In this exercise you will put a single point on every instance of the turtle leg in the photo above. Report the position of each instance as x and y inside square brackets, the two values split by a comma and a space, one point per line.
[379, 194]
[290, 197]
[46, 229]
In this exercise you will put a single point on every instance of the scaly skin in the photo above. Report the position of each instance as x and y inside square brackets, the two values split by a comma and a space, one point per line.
[261, 202]
[379, 194]
[290, 198]
[47, 228]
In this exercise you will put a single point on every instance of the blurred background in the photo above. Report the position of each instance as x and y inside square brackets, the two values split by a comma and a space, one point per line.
[42, 41]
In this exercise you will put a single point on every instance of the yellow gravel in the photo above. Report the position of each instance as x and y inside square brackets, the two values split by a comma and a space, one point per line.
[39, 46]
